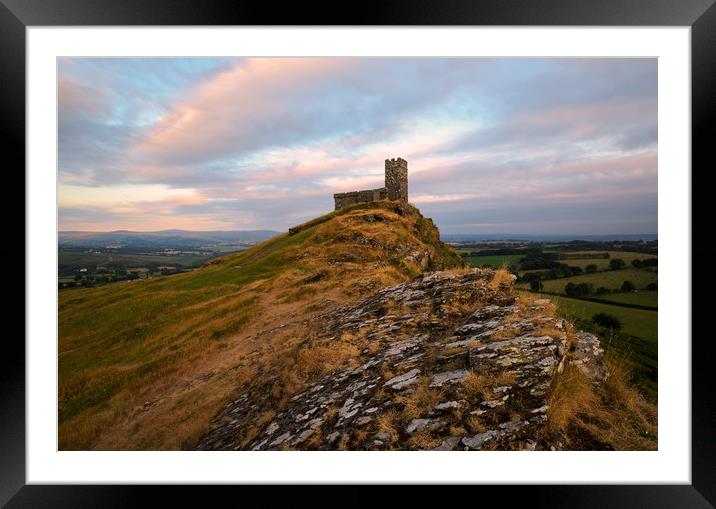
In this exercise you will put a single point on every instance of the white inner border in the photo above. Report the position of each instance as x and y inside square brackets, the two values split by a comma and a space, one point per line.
[671, 463]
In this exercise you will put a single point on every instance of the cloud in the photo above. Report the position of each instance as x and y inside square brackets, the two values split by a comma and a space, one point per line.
[266, 142]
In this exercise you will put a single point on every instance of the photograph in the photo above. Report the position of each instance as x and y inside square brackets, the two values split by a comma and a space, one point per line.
[357, 253]
[406, 244]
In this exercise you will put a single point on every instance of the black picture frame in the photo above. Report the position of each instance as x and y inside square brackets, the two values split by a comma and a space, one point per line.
[700, 15]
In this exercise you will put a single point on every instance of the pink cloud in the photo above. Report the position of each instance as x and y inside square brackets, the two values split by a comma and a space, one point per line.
[76, 99]
[236, 108]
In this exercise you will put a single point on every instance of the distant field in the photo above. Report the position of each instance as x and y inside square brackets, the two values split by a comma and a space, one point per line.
[603, 263]
[642, 298]
[76, 258]
[496, 261]
[611, 279]
[228, 248]
[637, 322]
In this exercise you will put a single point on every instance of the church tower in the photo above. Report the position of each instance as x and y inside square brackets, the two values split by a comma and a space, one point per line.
[396, 179]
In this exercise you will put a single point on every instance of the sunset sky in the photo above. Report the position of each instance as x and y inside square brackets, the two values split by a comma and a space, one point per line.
[539, 146]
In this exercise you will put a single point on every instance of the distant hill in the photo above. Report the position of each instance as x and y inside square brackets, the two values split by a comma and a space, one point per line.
[161, 239]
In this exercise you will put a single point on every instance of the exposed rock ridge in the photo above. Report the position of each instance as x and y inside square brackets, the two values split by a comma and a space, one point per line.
[455, 362]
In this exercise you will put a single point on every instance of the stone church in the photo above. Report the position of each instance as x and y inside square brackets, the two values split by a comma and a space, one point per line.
[396, 187]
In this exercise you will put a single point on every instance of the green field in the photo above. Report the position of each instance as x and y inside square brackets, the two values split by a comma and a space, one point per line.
[495, 261]
[132, 260]
[227, 248]
[636, 342]
[611, 279]
[637, 322]
[641, 298]
[601, 263]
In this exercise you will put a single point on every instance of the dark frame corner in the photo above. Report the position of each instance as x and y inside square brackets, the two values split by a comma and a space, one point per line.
[700, 15]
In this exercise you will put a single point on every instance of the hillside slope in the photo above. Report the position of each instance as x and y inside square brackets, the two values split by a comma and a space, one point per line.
[453, 360]
[147, 364]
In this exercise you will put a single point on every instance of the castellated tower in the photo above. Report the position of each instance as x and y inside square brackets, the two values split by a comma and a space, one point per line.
[396, 187]
[396, 179]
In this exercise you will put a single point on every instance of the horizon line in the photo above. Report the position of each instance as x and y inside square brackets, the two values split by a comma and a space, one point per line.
[523, 234]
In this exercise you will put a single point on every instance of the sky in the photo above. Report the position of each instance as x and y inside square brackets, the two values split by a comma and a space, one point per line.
[532, 146]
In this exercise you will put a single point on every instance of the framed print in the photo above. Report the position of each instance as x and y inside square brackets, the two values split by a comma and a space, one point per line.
[416, 246]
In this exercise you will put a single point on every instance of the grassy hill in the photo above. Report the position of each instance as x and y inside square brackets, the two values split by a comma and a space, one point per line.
[147, 364]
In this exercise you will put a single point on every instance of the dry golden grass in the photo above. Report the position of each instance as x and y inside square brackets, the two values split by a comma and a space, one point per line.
[501, 279]
[457, 431]
[343, 444]
[475, 425]
[388, 423]
[524, 304]
[478, 387]
[459, 306]
[313, 362]
[386, 372]
[570, 396]
[548, 331]
[526, 299]
[456, 363]
[313, 442]
[612, 414]
[423, 440]
[446, 352]
[358, 439]
[460, 271]
[301, 361]
[420, 402]
[506, 333]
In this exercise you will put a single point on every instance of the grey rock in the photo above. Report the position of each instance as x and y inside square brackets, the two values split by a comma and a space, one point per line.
[303, 436]
[447, 405]
[587, 357]
[477, 441]
[440, 379]
[448, 444]
[281, 439]
[417, 425]
[423, 424]
[271, 429]
[362, 421]
[404, 380]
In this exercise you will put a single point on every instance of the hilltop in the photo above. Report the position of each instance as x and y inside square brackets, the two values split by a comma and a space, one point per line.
[147, 364]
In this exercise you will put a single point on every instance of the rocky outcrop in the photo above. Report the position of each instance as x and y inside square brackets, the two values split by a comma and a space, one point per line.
[455, 361]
